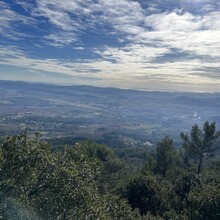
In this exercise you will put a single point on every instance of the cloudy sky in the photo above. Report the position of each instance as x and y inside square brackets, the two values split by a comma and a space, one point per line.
[143, 44]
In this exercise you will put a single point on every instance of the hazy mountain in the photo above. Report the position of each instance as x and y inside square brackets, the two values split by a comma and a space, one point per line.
[83, 111]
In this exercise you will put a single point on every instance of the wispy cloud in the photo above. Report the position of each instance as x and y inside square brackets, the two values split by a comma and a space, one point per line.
[132, 53]
[26, 5]
[141, 42]
[185, 32]
[60, 39]
[11, 20]
[67, 17]
[13, 57]
[173, 29]
[179, 71]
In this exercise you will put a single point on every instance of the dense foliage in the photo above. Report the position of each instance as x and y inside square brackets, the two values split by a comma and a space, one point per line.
[89, 181]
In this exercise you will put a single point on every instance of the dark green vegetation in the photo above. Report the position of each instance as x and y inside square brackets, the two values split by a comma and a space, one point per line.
[90, 181]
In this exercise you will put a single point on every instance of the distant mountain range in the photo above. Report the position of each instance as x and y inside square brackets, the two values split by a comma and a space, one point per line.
[102, 113]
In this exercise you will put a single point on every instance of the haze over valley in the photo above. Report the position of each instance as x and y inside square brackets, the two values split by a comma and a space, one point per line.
[111, 116]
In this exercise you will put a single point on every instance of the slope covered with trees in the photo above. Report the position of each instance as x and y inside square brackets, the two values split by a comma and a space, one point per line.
[90, 181]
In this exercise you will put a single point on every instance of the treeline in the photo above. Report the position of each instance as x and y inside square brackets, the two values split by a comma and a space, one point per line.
[89, 181]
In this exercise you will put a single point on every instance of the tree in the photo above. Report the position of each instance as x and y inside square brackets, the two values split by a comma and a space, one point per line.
[36, 182]
[165, 155]
[181, 189]
[24, 167]
[146, 194]
[200, 143]
[205, 202]
[23, 160]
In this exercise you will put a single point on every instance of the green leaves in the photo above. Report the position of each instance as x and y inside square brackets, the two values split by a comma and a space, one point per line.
[58, 185]
[205, 203]
[165, 155]
[200, 144]
[79, 181]
[146, 194]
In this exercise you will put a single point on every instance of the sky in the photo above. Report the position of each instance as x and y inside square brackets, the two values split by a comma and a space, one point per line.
[168, 45]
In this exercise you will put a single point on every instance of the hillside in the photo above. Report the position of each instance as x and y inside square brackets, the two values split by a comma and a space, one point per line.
[127, 116]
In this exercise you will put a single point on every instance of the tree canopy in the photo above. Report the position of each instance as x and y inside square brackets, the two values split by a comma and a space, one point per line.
[86, 180]
[201, 143]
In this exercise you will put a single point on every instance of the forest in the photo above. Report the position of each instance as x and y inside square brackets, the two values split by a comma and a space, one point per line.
[86, 180]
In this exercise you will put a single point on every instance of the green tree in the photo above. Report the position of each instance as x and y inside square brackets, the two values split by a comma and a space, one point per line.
[38, 183]
[146, 194]
[181, 189]
[165, 155]
[24, 168]
[205, 202]
[201, 143]
[22, 164]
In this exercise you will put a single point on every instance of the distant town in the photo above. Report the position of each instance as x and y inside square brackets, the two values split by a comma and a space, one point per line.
[110, 116]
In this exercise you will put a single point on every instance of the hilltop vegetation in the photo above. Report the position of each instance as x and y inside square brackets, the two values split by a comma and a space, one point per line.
[89, 181]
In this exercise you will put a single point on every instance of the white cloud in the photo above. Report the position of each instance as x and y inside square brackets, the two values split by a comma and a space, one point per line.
[81, 15]
[69, 19]
[60, 39]
[121, 12]
[173, 22]
[9, 20]
[196, 35]
[57, 17]
[133, 53]
[185, 32]
[129, 71]
[26, 5]
[14, 57]
[186, 45]
[124, 73]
